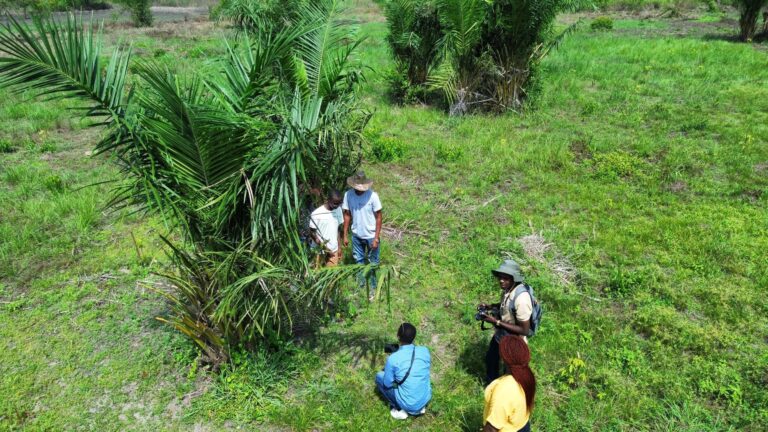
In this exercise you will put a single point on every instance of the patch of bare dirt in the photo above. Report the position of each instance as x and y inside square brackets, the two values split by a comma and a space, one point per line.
[176, 407]
[580, 149]
[678, 186]
[761, 168]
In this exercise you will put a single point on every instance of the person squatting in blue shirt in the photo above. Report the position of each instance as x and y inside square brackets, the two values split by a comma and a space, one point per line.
[405, 381]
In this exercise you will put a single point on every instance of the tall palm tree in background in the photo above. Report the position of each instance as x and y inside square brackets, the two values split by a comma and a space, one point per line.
[228, 159]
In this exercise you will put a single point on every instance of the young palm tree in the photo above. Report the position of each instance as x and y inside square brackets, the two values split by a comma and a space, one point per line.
[414, 33]
[487, 51]
[750, 12]
[227, 159]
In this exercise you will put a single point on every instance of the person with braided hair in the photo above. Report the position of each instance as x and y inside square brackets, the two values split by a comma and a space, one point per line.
[509, 398]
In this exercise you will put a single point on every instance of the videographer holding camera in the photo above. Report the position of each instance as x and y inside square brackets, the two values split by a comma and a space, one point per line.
[405, 381]
[511, 316]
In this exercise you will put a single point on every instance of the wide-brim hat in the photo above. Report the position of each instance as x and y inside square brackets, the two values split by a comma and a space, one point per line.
[359, 182]
[511, 269]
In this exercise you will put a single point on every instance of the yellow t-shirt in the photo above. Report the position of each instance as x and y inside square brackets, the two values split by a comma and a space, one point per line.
[505, 405]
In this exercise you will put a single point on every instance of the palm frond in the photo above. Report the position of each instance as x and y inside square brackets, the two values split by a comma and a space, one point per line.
[323, 52]
[62, 60]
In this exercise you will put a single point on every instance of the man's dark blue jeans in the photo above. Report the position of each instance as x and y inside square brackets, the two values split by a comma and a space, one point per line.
[362, 250]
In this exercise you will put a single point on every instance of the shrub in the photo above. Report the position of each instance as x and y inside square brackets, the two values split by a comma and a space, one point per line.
[54, 183]
[479, 54]
[573, 375]
[602, 23]
[448, 152]
[6, 146]
[384, 148]
[414, 37]
[749, 14]
[141, 15]
[262, 15]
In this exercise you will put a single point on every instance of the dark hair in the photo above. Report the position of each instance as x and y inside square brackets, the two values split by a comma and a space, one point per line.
[334, 194]
[406, 333]
[516, 355]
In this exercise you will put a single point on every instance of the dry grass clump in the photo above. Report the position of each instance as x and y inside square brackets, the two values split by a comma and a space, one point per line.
[536, 247]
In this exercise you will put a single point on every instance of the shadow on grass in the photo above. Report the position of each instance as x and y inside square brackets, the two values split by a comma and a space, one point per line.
[472, 358]
[472, 420]
[362, 348]
[759, 38]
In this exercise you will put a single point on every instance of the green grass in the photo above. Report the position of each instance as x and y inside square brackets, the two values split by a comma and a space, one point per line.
[643, 167]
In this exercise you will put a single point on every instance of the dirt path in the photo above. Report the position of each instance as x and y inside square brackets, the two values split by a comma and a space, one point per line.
[161, 14]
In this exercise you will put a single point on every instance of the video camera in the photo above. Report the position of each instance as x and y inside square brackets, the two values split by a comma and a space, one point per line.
[391, 347]
[486, 311]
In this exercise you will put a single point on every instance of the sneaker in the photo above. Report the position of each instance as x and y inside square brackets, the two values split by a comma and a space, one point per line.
[423, 410]
[398, 414]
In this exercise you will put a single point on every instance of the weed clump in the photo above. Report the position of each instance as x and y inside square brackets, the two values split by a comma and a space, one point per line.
[448, 152]
[54, 183]
[384, 148]
[602, 23]
[6, 146]
[617, 165]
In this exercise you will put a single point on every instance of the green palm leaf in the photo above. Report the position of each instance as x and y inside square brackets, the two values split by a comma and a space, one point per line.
[62, 60]
[323, 52]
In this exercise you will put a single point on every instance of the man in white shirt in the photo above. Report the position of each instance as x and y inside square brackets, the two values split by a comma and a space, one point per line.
[362, 210]
[324, 227]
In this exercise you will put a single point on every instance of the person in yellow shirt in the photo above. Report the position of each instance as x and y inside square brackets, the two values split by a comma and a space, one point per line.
[509, 398]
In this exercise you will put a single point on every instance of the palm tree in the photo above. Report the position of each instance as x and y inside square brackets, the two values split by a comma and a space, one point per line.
[749, 14]
[227, 160]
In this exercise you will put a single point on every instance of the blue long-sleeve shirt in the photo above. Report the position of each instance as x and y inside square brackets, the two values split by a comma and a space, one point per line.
[416, 391]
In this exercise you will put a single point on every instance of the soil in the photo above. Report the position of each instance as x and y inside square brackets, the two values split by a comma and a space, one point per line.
[119, 15]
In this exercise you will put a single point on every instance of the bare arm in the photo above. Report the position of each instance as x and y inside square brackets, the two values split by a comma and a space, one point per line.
[347, 222]
[378, 229]
[489, 428]
[315, 236]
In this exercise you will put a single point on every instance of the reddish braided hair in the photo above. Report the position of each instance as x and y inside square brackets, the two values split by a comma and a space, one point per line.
[516, 355]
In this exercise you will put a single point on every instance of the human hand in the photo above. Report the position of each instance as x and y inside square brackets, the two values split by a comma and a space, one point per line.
[375, 243]
[345, 240]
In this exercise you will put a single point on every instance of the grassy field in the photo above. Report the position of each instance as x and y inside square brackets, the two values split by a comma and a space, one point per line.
[634, 193]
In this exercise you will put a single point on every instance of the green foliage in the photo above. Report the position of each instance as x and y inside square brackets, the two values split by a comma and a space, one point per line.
[6, 146]
[383, 148]
[721, 381]
[141, 15]
[618, 165]
[749, 14]
[573, 375]
[602, 23]
[414, 38]
[54, 183]
[248, 384]
[478, 54]
[260, 15]
[448, 152]
[271, 125]
[79, 322]
[43, 7]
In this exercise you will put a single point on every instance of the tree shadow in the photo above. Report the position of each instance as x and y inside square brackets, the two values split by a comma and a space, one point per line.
[725, 37]
[759, 38]
[362, 348]
[472, 420]
[472, 358]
